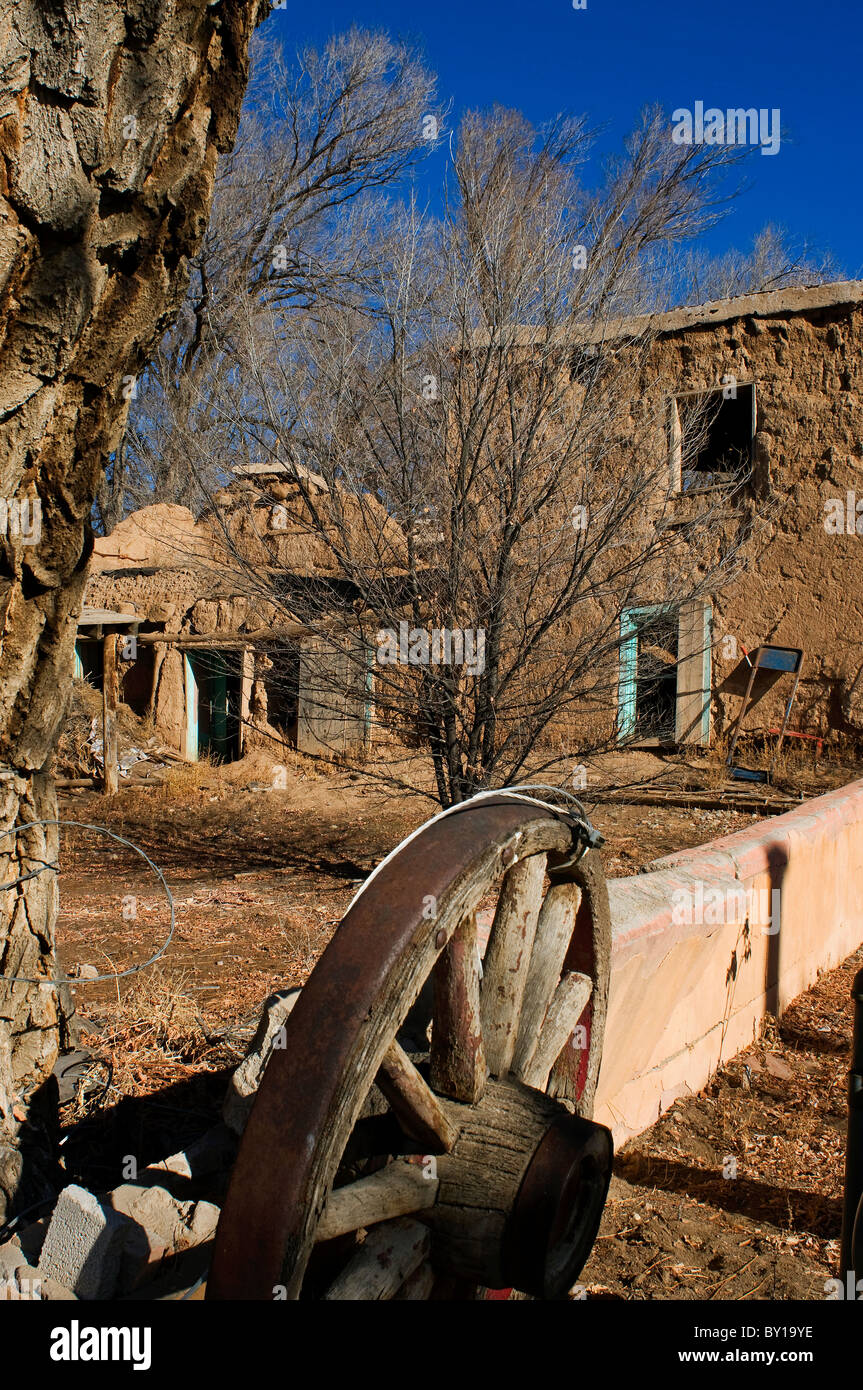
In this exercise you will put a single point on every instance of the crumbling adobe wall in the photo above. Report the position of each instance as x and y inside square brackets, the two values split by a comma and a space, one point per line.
[803, 586]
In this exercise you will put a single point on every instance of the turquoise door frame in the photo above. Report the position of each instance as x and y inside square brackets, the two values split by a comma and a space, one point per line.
[212, 722]
[628, 674]
[190, 730]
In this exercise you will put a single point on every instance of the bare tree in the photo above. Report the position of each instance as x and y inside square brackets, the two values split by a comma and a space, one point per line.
[289, 229]
[482, 400]
[775, 262]
[113, 118]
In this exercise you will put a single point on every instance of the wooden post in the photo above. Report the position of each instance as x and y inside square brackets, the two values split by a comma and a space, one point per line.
[110, 698]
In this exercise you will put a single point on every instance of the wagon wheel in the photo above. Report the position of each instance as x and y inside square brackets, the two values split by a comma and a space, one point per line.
[387, 1159]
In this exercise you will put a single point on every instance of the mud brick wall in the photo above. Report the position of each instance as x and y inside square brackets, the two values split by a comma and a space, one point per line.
[804, 586]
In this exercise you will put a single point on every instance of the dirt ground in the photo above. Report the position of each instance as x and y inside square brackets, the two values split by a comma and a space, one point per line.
[735, 1194]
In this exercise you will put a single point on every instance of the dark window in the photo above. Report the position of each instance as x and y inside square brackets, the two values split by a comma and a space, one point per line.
[715, 438]
[656, 677]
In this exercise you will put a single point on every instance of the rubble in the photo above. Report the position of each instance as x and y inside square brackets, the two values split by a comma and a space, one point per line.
[111, 1246]
[246, 1079]
[156, 1210]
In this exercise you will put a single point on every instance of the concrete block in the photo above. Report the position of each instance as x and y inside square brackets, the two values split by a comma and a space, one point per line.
[84, 1244]
[246, 1079]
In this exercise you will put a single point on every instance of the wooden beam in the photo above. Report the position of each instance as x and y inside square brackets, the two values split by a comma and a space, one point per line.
[387, 1258]
[225, 639]
[553, 935]
[414, 1104]
[458, 1066]
[110, 699]
[507, 959]
[567, 1005]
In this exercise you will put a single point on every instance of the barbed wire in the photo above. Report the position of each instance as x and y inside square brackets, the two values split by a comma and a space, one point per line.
[121, 840]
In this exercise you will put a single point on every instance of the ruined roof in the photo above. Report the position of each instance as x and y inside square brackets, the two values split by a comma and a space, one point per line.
[107, 617]
[797, 299]
[161, 536]
[278, 469]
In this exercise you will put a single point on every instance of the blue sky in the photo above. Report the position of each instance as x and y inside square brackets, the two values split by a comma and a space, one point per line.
[607, 61]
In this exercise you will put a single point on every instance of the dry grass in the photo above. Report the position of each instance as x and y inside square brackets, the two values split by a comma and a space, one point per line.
[152, 1034]
[713, 770]
[795, 760]
[188, 781]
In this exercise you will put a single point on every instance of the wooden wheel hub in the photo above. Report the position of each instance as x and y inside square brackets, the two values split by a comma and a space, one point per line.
[521, 1194]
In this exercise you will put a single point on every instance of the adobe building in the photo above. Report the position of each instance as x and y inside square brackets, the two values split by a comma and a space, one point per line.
[207, 653]
[781, 374]
[220, 666]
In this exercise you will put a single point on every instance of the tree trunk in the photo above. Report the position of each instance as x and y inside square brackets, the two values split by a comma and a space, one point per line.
[112, 116]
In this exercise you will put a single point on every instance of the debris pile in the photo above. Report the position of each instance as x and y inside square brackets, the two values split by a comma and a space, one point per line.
[79, 750]
[151, 1236]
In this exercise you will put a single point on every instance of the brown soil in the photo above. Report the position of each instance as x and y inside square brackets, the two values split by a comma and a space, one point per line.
[736, 1193]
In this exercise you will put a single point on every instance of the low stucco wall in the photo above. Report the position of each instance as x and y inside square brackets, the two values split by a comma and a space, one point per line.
[713, 939]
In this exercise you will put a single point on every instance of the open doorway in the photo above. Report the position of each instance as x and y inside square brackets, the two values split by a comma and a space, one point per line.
[665, 673]
[647, 702]
[213, 685]
[282, 684]
[89, 661]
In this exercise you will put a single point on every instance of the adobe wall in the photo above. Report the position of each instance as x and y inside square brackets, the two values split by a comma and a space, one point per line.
[686, 995]
[806, 588]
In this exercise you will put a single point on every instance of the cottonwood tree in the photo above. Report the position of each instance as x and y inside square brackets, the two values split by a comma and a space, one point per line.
[289, 229]
[113, 116]
[483, 397]
[775, 262]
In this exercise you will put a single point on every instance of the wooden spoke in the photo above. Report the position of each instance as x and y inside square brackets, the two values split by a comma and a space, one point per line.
[387, 1257]
[566, 1007]
[507, 959]
[457, 1057]
[418, 1285]
[553, 934]
[414, 1104]
[396, 1190]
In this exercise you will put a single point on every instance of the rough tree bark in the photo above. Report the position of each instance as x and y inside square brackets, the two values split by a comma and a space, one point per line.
[112, 116]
